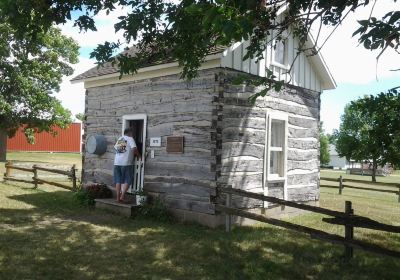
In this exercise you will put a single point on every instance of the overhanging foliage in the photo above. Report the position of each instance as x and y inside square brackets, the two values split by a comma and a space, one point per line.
[186, 30]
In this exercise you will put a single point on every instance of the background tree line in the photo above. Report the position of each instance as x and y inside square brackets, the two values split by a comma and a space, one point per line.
[34, 55]
[370, 130]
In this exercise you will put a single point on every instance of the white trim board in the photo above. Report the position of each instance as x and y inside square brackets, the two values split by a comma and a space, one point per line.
[131, 117]
[153, 71]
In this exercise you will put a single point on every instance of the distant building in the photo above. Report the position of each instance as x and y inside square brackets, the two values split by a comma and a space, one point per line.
[338, 162]
[66, 140]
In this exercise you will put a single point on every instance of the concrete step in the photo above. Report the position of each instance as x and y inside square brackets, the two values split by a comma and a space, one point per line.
[126, 209]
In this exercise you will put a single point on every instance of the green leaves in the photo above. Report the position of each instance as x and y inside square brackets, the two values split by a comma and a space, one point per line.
[324, 156]
[370, 129]
[104, 52]
[85, 22]
[187, 31]
[266, 84]
[32, 71]
[380, 33]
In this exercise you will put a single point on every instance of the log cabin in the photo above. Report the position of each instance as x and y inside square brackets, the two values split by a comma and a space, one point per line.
[199, 134]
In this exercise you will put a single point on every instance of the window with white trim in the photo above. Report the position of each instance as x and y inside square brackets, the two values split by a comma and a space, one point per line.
[279, 53]
[277, 147]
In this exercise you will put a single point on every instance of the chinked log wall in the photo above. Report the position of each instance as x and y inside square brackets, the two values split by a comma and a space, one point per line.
[224, 136]
[173, 107]
[243, 140]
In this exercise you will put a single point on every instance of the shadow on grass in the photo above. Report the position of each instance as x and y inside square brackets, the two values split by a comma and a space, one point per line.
[369, 197]
[55, 239]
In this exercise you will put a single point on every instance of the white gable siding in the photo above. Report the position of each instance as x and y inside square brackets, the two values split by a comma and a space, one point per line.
[302, 74]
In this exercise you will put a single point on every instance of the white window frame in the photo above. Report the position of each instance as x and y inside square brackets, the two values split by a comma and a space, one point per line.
[285, 64]
[273, 178]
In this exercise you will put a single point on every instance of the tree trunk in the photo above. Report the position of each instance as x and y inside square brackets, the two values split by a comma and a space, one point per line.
[374, 167]
[3, 146]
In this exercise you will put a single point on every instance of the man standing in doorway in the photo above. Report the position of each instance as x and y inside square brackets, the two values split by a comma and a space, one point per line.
[125, 149]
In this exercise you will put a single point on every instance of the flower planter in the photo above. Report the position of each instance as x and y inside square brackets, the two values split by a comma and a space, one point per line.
[141, 199]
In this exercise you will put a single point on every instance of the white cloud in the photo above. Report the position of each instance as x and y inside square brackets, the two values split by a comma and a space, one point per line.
[105, 29]
[72, 96]
[350, 62]
[112, 16]
[330, 116]
[91, 39]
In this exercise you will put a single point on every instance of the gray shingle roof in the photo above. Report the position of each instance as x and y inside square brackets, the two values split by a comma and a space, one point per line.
[108, 68]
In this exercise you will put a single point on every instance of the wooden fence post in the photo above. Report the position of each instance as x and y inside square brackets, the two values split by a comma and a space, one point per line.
[340, 184]
[35, 176]
[399, 195]
[73, 174]
[228, 217]
[348, 230]
[8, 169]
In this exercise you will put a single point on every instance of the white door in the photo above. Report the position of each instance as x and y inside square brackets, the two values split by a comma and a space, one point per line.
[138, 123]
[138, 174]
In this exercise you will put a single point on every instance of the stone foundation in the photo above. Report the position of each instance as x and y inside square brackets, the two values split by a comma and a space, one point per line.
[276, 212]
[213, 221]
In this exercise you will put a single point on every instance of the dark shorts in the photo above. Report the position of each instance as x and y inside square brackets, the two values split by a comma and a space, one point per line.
[123, 174]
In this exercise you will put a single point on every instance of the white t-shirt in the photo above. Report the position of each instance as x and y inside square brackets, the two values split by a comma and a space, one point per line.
[124, 151]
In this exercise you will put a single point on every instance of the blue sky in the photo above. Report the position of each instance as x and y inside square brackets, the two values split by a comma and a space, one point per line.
[355, 69]
[85, 51]
[334, 101]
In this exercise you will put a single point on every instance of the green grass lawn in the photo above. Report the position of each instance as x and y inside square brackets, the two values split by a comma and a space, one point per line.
[63, 161]
[58, 159]
[45, 234]
[330, 173]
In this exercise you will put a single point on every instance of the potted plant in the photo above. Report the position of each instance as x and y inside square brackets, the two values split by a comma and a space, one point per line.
[141, 197]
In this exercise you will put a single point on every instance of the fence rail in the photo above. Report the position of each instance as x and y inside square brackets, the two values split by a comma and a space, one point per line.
[71, 174]
[56, 171]
[347, 219]
[341, 186]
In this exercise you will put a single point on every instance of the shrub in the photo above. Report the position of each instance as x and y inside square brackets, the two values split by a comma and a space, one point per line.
[82, 197]
[155, 210]
[86, 196]
[98, 191]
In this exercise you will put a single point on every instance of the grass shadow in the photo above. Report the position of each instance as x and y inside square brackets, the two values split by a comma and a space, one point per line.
[53, 238]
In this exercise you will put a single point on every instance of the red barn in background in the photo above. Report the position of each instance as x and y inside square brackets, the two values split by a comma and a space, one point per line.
[66, 140]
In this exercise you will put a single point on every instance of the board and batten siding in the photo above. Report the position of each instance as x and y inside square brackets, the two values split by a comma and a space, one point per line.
[173, 107]
[244, 138]
[302, 74]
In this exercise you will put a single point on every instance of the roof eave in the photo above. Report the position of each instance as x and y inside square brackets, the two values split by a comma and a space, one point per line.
[216, 55]
[328, 82]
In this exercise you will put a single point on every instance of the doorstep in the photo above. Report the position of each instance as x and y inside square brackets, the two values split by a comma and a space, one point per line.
[110, 204]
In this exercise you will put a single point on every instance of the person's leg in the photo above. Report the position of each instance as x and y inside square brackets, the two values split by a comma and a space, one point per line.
[118, 190]
[117, 181]
[124, 188]
[126, 180]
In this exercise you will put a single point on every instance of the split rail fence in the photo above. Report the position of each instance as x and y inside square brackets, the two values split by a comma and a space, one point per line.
[71, 174]
[342, 180]
[346, 218]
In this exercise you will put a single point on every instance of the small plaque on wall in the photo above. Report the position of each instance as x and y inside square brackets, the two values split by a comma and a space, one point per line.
[155, 142]
[175, 144]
